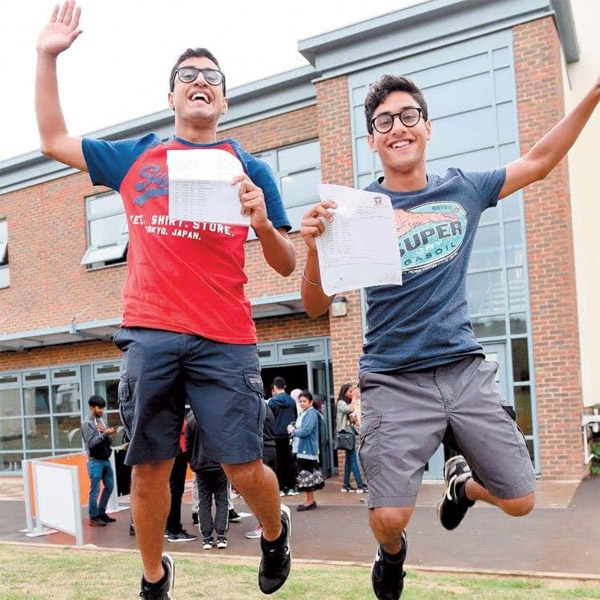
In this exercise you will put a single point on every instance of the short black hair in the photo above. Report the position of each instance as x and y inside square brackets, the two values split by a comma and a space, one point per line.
[279, 382]
[307, 395]
[96, 400]
[386, 85]
[194, 53]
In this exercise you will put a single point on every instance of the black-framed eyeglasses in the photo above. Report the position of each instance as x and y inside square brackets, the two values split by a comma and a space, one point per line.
[189, 74]
[409, 117]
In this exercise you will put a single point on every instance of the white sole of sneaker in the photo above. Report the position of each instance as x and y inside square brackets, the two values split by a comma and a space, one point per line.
[288, 512]
[169, 560]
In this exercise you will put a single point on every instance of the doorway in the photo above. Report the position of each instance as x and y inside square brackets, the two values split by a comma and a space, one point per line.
[303, 364]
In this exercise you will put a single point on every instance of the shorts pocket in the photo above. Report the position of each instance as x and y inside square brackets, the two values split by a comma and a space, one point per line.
[254, 404]
[511, 415]
[370, 444]
[126, 406]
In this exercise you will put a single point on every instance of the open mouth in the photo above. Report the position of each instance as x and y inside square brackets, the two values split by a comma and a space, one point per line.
[200, 97]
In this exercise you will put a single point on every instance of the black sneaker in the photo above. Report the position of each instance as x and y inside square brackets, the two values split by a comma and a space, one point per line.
[234, 517]
[276, 563]
[97, 522]
[348, 488]
[387, 578]
[131, 529]
[106, 518]
[452, 506]
[163, 592]
[182, 536]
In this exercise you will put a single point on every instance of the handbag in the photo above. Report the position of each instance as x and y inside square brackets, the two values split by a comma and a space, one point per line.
[345, 441]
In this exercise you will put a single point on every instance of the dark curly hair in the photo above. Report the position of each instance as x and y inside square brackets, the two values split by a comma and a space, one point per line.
[386, 85]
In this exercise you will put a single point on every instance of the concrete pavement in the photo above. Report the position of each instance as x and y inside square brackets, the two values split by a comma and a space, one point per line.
[562, 535]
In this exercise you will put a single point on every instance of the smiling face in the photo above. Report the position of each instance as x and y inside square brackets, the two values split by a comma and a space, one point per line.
[197, 104]
[402, 149]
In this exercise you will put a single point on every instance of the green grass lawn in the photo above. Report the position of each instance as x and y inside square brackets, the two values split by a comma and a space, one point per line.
[34, 573]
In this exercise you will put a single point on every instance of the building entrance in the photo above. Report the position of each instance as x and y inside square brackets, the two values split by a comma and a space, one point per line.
[304, 364]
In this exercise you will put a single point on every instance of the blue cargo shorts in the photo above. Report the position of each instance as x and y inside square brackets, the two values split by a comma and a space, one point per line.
[162, 370]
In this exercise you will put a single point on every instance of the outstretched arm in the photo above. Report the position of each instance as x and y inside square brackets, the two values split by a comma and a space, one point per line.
[315, 300]
[552, 148]
[56, 37]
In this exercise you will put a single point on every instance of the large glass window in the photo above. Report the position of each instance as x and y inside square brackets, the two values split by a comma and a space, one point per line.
[107, 231]
[4, 273]
[297, 170]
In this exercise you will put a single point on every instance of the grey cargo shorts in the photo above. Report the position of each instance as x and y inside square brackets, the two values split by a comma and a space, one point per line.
[405, 417]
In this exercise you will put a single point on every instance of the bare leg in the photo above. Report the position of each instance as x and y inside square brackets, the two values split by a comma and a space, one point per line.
[388, 523]
[150, 503]
[310, 498]
[515, 507]
[258, 484]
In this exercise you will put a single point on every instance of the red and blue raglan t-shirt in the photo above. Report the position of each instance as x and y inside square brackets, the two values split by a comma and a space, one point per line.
[182, 276]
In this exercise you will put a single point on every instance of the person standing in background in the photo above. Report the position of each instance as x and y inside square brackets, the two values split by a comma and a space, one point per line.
[97, 439]
[284, 412]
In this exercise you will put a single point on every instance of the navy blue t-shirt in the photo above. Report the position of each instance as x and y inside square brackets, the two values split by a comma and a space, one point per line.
[425, 322]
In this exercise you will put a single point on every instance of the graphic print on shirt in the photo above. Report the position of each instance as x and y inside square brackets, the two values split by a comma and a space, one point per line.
[151, 184]
[430, 234]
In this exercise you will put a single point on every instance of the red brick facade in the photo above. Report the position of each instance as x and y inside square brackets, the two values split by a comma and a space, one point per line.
[550, 257]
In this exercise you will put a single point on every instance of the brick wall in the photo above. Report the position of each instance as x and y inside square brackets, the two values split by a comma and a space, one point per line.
[335, 139]
[551, 258]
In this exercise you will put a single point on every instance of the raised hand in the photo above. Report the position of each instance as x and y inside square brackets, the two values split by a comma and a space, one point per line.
[61, 31]
[313, 222]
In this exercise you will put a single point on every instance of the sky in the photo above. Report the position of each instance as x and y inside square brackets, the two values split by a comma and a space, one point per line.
[118, 68]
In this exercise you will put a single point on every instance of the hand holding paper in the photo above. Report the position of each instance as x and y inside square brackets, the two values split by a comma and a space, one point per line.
[359, 247]
[200, 186]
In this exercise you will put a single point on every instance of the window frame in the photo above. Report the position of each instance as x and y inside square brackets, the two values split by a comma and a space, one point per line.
[113, 254]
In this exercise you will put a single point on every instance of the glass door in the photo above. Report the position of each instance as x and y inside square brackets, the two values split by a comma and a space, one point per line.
[320, 386]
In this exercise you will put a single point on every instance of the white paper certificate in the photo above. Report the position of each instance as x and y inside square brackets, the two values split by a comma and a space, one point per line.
[360, 247]
[200, 186]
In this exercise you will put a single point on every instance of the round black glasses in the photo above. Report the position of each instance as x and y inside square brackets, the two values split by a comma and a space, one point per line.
[409, 117]
[190, 74]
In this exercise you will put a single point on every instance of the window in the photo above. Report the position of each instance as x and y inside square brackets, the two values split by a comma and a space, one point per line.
[107, 231]
[297, 170]
[4, 275]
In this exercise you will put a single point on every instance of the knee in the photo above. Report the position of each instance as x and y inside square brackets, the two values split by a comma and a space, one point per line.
[389, 521]
[147, 478]
[518, 507]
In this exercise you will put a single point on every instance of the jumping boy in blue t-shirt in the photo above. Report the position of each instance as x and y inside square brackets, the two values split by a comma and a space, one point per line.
[423, 373]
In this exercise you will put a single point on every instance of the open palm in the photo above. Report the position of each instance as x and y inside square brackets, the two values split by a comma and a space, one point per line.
[62, 29]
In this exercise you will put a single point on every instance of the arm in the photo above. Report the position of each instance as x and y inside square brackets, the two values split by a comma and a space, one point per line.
[276, 246]
[91, 436]
[552, 148]
[308, 424]
[315, 301]
[57, 36]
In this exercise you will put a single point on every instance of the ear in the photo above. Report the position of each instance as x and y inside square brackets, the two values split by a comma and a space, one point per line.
[171, 101]
[429, 129]
[371, 142]
[224, 106]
